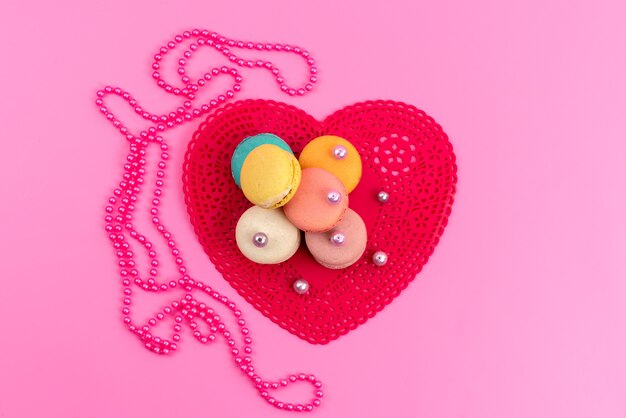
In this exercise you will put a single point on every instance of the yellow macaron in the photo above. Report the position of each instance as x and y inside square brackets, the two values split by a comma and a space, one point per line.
[336, 155]
[270, 176]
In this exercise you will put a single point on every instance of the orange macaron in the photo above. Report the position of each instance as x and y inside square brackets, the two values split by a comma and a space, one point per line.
[336, 155]
[319, 203]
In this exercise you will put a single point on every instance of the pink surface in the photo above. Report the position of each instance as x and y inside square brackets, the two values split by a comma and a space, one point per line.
[521, 311]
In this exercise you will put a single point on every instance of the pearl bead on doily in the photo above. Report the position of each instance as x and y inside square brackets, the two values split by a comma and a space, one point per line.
[301, 286]
[380, 258]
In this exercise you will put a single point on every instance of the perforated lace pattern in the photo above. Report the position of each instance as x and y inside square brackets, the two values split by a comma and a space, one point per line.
[404, 152]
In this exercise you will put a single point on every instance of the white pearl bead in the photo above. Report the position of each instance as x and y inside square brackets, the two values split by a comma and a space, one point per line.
[338, 238]
[383, 196]
[380, 258]
[301, 286]
[334, 197]
[340, 152]
[259, 239]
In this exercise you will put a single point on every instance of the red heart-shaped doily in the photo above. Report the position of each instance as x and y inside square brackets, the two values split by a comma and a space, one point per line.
[404, 152]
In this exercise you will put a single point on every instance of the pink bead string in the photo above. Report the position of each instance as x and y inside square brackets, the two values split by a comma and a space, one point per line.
[187, 310]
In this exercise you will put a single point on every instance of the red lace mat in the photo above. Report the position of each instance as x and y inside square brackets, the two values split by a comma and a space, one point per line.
[404, 152]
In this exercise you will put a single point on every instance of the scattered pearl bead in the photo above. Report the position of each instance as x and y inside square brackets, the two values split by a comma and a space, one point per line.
[380, 258]
[383, 196]
[301, 286]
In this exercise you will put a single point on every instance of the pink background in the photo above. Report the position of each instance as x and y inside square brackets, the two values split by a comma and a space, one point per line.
[521, 312]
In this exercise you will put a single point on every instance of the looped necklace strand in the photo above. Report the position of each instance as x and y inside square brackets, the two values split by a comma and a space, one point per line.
[119, 222]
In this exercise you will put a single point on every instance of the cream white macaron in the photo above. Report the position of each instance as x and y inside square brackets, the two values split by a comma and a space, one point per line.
[266, 236]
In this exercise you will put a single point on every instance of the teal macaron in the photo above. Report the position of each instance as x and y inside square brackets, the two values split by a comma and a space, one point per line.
[247, 145]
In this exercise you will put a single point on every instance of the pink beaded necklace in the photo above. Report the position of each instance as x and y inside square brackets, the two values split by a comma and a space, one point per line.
[187, 310]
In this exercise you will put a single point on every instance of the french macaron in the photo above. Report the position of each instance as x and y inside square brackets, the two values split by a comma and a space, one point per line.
[248, 144]
[334, 154]
[342, 246]
[270, 176]
[320, 202]
[266, 236]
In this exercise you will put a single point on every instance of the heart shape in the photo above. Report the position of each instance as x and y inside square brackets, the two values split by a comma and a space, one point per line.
[404, 152]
